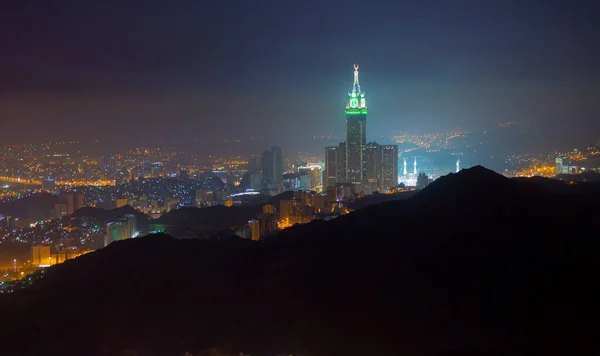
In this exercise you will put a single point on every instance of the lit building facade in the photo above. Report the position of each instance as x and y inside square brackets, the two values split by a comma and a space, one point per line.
[120, 230]
[330, 177]
[277, 164]
[371, 163]
[368, 166]
[356, 132]
[272, 168]
[40, 256]
[389, 166]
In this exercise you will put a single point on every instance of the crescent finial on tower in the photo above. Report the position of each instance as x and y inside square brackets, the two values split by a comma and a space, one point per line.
[356, 85]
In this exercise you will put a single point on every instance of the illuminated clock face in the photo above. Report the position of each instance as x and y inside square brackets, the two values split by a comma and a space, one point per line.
[353, 103]
[363, 103]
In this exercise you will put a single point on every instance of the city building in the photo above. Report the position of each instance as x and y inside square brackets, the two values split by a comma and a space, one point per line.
[204, 197]
[48, 184]
[369, 166]
[272, 167]
[253, 165]
[356, 132]
[67, 199]
[268, 220]
[267, 167]
[372, 161]
[40, 256]
[120, 230]
[255, 228]
[330, 174]
[277, 164]
[58, 211]
[388, 164]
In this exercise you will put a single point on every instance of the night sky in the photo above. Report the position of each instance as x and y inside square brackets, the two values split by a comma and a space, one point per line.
[159, 71]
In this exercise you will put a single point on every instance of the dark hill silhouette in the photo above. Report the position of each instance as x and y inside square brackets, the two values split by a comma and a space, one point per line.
[474, 264]
[104, 215]
[379, 198]
[589, 176]
[207, 221]
[36, 206]
[473, 182]
[287, 195]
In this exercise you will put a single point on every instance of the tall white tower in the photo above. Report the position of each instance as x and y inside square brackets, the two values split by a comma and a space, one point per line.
[415, 169]
[457, 164]
[405, 172]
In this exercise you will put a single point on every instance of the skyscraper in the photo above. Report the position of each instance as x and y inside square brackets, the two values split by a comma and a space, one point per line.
[331, 166]
[67, 198]
[389, 167]
[367, 166]
[253, 164]
[123, 229]
[272, 170]
[40, 256]
[356, 132]
[341, 163]
[267, 167]
[277, 164]
[371, 162]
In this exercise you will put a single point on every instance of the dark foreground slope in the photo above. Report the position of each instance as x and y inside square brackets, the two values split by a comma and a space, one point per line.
[475, 264]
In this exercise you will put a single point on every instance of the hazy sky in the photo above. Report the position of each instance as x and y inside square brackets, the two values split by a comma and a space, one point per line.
[153, 71]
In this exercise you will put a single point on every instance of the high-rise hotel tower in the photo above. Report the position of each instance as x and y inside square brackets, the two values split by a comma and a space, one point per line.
[356, 132]
[368, 166]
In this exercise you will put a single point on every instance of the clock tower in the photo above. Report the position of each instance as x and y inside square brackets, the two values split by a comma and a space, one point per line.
[356, 132]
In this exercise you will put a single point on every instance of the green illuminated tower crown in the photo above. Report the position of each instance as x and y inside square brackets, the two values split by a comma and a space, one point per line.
[357, 103]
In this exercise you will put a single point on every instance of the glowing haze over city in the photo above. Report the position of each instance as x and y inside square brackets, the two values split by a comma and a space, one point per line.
[234, 123]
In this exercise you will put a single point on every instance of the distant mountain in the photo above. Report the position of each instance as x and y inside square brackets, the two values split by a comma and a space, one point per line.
[475, 264]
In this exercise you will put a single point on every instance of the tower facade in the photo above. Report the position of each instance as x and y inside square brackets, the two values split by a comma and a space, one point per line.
[371, 162]
[277, 164]
[356, 132]
[268, 165]
[272, 165]
[389, 167]
[331, 166]
[367, 166]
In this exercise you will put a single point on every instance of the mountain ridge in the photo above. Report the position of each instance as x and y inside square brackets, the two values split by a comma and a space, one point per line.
[411, 277]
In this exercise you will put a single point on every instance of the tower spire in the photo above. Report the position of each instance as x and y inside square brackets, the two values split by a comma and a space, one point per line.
[356, 85]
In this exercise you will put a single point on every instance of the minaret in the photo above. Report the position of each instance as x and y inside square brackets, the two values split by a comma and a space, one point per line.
[405, 173]
[457, 164]
[415, 170]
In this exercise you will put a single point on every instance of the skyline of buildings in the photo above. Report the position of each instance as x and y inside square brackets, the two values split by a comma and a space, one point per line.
[155, 181]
